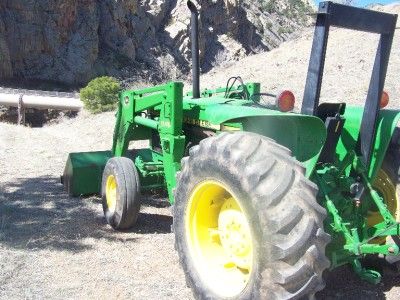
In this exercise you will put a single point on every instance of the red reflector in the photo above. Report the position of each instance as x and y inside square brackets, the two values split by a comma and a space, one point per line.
[384, 99]
[285, 101]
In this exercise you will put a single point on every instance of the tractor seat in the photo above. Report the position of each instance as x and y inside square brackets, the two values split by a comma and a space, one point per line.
[326, 110]
[331, 114]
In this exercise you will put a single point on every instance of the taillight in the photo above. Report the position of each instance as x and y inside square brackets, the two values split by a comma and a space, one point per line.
[285, 101]
[384, 99]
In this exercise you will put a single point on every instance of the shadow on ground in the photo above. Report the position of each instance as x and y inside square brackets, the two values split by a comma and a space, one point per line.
[343, 283]
[35, 213]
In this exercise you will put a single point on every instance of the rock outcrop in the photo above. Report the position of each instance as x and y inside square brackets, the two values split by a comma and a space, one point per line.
[72, 41]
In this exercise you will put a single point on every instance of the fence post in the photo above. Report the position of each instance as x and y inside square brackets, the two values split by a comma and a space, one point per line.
[21, 110]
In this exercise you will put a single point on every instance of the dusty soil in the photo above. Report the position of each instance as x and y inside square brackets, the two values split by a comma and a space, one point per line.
[54, 246]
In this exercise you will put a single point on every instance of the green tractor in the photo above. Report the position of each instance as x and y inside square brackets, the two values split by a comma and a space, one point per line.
[264, 199]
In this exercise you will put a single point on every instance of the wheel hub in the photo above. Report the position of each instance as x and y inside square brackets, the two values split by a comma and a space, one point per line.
[387, 190]
[234, 234]
[219, 239]
[111, 193]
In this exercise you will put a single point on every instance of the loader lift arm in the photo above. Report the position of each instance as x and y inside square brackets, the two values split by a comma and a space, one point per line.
[134, 123]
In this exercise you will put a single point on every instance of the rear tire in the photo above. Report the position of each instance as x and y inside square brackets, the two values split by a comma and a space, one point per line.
[391, 167]
[387, 183]
[392, 160]
[120, 193]
[285, 223]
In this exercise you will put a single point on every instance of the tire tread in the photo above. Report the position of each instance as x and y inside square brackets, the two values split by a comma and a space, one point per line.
[293, 224]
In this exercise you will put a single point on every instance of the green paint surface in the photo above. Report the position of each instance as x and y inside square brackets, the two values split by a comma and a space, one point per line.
[173, 123]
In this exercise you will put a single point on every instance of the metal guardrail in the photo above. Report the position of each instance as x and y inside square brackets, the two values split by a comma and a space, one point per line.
[23, 99]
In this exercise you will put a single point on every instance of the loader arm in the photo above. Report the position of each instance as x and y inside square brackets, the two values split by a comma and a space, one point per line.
[159, 109]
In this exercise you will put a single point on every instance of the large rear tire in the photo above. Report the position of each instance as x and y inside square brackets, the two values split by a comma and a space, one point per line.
[388, 181]
[387, 184]
[120, 193]
[246, 221]
[392, 163]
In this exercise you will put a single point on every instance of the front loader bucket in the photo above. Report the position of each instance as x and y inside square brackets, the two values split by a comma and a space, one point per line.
[83, 172]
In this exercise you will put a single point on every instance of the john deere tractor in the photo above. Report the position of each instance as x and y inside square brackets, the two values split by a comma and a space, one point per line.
[264, 199]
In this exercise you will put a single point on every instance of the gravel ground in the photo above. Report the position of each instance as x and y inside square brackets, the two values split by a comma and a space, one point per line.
[54, 246]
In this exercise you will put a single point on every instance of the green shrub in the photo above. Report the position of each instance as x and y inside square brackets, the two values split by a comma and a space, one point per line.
[269, 5]
[101, 94]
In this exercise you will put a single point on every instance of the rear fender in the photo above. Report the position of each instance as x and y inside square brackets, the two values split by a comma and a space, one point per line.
[387, 123]
[303, 135]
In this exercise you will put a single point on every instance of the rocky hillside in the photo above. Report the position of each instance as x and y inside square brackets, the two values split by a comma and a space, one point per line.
[347, 73]
[72, 41]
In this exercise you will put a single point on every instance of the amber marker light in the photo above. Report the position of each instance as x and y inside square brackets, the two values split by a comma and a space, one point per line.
[384, 99]
[285, 101]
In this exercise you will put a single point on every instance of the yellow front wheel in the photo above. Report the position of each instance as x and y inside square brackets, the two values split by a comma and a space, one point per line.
[246, 221]
[120, 193]
[111, 193]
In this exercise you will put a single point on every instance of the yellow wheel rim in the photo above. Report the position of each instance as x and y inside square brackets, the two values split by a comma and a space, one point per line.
[219, 239]
[387, 190]
[111, 193]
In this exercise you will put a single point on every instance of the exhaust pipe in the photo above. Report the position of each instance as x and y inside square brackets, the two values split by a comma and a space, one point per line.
[194, 24]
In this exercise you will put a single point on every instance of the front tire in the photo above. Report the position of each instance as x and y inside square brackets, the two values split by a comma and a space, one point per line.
[246, 221]
[120, 193]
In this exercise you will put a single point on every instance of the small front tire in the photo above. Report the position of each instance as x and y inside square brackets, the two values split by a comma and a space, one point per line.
[120, 193]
